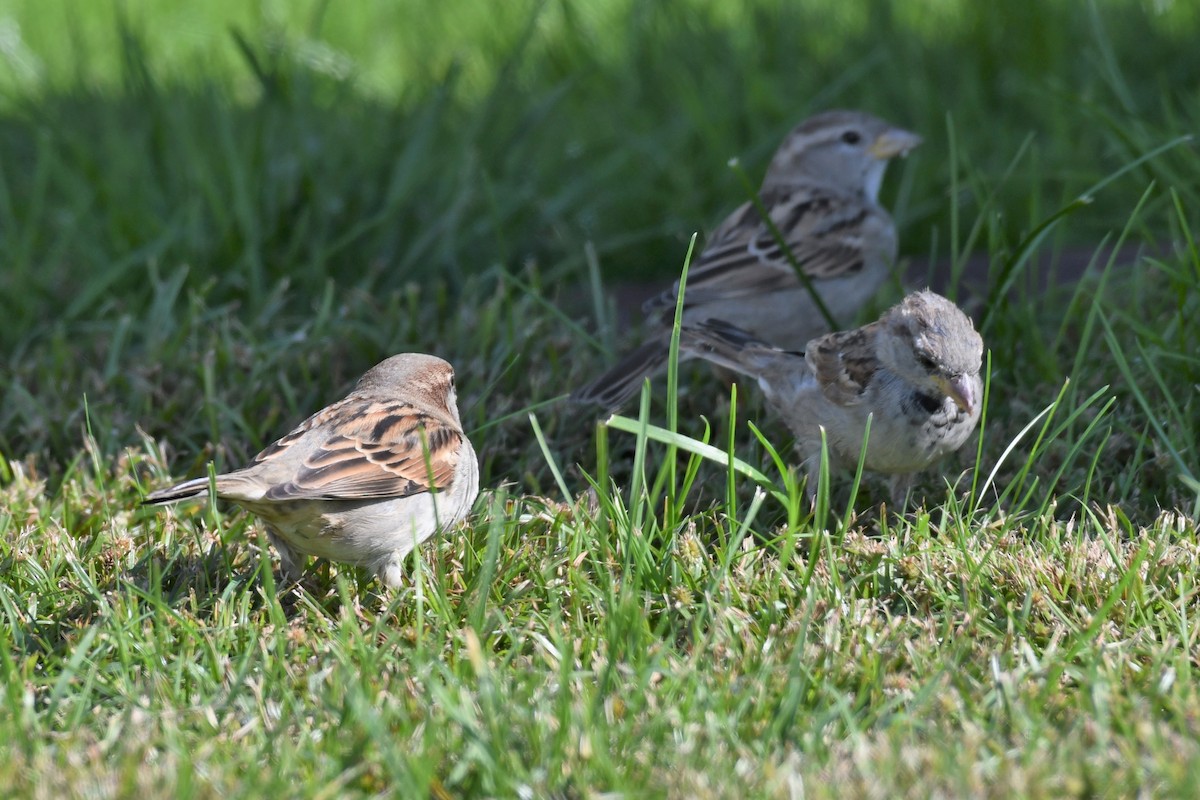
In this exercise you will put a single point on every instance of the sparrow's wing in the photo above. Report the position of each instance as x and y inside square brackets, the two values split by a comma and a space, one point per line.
[824, 232]
[364, 449]
[844, 363]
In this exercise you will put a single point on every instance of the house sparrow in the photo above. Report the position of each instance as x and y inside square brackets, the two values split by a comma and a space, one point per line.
[916, 370]
[362, 481]
[821, 191]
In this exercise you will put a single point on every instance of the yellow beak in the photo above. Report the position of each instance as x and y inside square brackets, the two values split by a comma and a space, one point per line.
[894, 142]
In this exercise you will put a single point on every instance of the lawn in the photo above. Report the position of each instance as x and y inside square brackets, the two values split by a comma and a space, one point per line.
[214, 217]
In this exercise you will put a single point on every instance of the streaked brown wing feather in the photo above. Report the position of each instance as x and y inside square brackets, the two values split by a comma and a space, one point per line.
[844, 363]
[821, 230]
[373, 449]
[743, 257]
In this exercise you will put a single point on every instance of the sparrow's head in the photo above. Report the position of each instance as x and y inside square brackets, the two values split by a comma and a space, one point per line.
[930, 343]
[427, 380]
[848, 150]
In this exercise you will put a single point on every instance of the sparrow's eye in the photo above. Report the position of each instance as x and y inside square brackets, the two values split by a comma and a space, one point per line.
[926, 362]
[851, 137]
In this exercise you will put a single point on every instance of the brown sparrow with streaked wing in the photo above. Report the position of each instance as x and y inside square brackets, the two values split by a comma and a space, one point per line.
[362, 481]
[821, 191]
[915, 370]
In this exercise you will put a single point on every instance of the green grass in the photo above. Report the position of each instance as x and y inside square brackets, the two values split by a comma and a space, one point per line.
[213, 220]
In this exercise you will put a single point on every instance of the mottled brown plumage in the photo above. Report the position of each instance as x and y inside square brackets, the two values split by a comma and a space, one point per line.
[915, 372]
[821, 192]
[363, 480]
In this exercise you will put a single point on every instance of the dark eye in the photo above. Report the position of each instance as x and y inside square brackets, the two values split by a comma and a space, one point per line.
[851, 137]
[926, 362]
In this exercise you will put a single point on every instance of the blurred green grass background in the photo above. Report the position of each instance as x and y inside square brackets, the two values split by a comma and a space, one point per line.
[292, 157]
[386, 141]
[214, 216]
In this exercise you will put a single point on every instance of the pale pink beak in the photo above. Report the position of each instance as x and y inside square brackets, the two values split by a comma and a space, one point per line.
[960, 389]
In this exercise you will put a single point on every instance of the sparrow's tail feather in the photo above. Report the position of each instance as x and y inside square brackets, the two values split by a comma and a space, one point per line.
[182, 491]
[729, 346]
[625, 378]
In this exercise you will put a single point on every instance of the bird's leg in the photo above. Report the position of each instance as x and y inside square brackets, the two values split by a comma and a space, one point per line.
[289, 561]
[391, 571]
[900, 486]
[811, 468]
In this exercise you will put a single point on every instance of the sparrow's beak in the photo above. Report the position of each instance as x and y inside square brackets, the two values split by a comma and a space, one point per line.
[961, 390]
[894, 142]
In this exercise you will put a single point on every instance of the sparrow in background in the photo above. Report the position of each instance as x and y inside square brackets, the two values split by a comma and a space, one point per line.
[915, 370]
[821, 192]
[362, 481]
